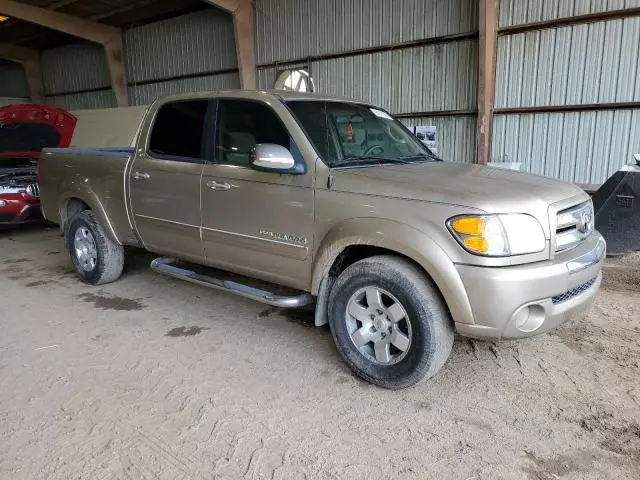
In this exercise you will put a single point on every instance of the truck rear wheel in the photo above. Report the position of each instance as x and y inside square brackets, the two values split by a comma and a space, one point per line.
[96, 258]
[389, 322]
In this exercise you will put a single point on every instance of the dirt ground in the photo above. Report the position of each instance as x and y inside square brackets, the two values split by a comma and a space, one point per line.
[150, 377]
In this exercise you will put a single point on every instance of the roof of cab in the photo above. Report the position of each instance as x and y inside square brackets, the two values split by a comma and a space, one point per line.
[259, 95]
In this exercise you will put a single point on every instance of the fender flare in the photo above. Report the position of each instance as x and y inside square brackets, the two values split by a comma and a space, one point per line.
[91, 199]
[405, 240]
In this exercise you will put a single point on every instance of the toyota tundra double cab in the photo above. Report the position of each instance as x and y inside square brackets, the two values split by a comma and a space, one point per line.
[293, 199]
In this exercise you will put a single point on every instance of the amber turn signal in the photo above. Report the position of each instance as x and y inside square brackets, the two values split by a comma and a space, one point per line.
[476, 244]
[469, 225]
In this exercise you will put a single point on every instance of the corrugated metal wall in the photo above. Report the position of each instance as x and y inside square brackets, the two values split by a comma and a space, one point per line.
[4, 101]
[291, 29]
[80, 101]
[13, 82]
[581, 147]
[457, 136]
[145, 94]
[200, 42]
[73, 68]
[428, 78]
[425, 78]
[518, 12]
[583, 64]
[191, 47]
[592, 63]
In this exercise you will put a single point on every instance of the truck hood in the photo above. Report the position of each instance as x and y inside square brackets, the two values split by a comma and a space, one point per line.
[492, 190]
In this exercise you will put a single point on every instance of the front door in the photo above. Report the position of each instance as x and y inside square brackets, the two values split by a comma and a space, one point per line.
[256, 223]
[165, 180]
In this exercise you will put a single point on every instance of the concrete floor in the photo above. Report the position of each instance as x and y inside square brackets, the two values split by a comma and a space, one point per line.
[151, 378]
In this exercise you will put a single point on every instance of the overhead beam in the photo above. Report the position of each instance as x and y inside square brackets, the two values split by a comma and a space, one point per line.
[109, 37]
[30, 60]
[486, 77]
[62, 22]
[244, 25]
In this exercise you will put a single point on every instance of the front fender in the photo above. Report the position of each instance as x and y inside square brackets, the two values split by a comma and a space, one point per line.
[405, 240]
[90, 198]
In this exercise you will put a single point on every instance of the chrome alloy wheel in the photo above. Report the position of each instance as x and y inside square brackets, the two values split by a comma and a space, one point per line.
[378, 325]
[85, 248]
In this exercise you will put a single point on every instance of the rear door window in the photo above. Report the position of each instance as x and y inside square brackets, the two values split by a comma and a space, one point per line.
[177, 131]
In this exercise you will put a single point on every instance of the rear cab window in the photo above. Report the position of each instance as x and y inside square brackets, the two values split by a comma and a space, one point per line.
[178, 131]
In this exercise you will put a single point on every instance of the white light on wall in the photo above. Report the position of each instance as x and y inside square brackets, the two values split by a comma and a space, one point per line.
[296, 80]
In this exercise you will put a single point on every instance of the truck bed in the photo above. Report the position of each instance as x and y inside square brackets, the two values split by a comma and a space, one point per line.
[95, 176]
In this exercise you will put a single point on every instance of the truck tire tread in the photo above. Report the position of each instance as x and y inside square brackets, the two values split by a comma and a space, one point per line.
[429, 314]
[110, 254]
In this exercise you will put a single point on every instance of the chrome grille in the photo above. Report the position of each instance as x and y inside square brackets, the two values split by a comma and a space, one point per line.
[574, 225]
[569, 294]
[32, 189]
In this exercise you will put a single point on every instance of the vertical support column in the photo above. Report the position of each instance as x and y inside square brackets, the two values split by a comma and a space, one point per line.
[244, 23]
[486, 77]
[115, 62]
[33, 72]
[30, 60]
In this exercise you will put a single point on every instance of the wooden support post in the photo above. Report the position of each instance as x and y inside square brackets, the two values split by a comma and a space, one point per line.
[244, 25]
[109, 37]
[114, 52]
[33, 72]
[30, 60]
[486, 77]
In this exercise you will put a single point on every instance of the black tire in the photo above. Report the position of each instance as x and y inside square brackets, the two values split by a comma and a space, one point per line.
[431, 326]
[110, 255]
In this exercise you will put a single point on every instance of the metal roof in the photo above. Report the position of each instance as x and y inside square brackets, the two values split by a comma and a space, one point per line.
[118, 13]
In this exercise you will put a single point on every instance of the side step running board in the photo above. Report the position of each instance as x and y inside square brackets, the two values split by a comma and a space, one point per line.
[165, 265]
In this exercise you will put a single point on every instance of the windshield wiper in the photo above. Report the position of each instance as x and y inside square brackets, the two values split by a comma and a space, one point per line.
[355, 160]
[419, 156]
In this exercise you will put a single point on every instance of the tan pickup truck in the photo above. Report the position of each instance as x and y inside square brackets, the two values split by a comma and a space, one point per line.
[291, 199]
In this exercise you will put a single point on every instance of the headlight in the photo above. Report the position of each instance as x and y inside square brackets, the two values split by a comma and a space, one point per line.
[498, 235]
[3, 203]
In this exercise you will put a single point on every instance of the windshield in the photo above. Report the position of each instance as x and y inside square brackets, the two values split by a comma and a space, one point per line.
[349, 134]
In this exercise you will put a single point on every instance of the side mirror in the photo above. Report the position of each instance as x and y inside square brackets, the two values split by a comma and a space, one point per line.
[273, 158]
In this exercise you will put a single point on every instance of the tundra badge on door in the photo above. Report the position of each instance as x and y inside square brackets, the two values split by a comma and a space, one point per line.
[284, 237]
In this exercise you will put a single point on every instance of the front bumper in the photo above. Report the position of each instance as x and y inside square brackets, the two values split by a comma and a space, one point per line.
[525, 300]
[17, 209]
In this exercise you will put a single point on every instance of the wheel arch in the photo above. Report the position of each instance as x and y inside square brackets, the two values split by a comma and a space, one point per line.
[361, 238]
[75, 202]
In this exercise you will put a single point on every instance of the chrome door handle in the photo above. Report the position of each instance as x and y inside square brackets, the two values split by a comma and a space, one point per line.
[213, 185]
[141, 176]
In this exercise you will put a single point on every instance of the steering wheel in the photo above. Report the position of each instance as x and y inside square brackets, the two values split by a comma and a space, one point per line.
[372, 149]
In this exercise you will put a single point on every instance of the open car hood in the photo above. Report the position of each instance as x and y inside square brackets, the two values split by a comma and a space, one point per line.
[26, 129]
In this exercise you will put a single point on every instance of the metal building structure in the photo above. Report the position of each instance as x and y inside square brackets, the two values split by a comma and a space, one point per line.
[553, 85]
[567, 100]
[192, 52]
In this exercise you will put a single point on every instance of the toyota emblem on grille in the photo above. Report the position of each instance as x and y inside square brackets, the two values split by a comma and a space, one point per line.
[585, 224]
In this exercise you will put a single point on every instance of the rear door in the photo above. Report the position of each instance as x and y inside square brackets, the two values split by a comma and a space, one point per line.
[256, 223]
[165, 179]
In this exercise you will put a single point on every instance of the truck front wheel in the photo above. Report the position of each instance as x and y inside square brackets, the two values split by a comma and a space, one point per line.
[389, 322]
[96, 258]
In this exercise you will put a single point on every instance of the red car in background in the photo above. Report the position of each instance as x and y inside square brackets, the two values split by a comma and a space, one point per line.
[25, 130]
